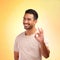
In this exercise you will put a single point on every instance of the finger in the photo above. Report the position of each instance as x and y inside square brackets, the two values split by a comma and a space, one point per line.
[36, 36]
[40, 30]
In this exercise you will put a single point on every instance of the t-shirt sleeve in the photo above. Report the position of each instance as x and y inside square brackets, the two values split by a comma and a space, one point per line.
[16, 45]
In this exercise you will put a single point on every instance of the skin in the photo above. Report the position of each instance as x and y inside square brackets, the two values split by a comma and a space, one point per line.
[44, 49]
[29, 24]
[16, 55]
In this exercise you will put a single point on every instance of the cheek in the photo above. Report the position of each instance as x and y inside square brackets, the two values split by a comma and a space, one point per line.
[23, 22]
[31, 22]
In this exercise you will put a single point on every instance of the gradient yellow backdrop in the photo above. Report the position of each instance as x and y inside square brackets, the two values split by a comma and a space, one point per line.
[11, 16]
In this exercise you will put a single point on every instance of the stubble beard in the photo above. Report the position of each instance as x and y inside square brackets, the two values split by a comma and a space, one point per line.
[28, 28]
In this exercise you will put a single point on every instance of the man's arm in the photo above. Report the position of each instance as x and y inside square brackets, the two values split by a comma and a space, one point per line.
[44, 50]
[16, 55]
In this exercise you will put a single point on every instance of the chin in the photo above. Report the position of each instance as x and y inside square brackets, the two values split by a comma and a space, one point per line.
[27, 28]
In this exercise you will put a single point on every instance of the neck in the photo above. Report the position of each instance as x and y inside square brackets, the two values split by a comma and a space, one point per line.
[31, 31]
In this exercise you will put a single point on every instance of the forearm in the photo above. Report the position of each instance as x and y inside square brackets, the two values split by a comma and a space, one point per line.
[16, 55]
[15, 59]
[44, 50]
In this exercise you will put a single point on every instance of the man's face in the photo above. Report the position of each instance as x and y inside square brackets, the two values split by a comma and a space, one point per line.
[28, 21]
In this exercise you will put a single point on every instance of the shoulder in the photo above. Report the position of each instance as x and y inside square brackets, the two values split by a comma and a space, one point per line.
[19, 37]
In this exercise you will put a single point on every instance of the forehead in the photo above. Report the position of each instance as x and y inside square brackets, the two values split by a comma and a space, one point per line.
[27, 15]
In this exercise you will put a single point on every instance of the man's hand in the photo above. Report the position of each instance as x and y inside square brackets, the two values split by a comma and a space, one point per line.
[44, 49]
[39, 35]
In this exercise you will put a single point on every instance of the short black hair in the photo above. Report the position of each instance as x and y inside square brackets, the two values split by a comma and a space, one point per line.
[32, 11]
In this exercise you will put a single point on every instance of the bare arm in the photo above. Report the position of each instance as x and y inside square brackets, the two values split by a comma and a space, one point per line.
[16, 55]
[44, 50]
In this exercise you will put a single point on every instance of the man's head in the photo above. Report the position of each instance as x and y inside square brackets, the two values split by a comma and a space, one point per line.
[30, 19]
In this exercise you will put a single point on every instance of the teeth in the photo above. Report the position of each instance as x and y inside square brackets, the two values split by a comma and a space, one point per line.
[26, 25]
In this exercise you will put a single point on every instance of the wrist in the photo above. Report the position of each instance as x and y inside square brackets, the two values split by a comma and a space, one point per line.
[42, 43]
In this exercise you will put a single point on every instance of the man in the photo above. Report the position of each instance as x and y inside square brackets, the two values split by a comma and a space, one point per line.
[30, 44]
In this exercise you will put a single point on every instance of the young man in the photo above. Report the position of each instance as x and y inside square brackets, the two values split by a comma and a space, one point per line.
[30, 44]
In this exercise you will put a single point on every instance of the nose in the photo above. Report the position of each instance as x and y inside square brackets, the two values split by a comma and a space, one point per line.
[25, 21]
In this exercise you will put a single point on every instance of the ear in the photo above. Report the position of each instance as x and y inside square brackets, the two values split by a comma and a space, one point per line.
[35, 21]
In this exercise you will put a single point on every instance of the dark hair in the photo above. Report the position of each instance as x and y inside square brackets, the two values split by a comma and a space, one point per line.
[31, 11]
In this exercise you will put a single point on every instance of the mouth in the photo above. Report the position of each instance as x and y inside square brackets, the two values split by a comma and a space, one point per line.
[26, 24]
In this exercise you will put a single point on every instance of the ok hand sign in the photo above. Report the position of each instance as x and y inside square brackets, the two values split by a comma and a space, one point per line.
[39, 35]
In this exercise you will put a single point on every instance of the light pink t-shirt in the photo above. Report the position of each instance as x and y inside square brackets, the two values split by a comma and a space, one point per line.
[28, 47]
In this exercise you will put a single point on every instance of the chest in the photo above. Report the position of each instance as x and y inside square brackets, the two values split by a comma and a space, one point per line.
[28, 44]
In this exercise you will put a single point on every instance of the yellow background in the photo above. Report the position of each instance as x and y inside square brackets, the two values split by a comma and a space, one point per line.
[11, 16]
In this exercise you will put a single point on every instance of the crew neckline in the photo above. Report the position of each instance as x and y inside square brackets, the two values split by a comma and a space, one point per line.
[30, 35]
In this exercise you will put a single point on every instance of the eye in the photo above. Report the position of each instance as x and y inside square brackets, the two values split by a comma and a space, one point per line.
[28, 19]
[23, 18]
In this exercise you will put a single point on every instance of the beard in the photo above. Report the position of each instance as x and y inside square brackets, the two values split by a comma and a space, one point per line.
[28, 26]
